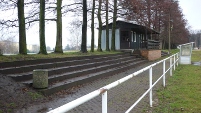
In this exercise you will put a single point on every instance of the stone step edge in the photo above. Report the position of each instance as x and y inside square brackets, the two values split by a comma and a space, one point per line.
[55, 69]
[52, 90]
[56, 63]
[73, 74]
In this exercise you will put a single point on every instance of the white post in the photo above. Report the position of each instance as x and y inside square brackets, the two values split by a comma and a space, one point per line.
[177, 58]
[163, 73]
[104, 102]
[174, 62]
[170, 66]
[150, 85]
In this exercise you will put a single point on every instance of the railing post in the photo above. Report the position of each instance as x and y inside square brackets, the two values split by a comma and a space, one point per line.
[174, 61]
[150, 85]
[171, 66]
[163, 73]
[104, 102]
[177, 58]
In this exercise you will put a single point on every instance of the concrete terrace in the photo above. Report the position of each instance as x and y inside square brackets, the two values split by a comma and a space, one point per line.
[120, 98]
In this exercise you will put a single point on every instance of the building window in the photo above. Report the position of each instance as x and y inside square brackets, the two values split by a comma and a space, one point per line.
[125, 36]
[134, 36]
[132, 40]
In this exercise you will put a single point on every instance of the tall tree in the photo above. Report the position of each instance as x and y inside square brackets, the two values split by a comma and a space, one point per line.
[58, 48]
[107, 28]
[92, 26]
[114, 25]
[149, 13]
[22, 29]
[158, 14]
[100, 26]
[42, 28]
[84, 28]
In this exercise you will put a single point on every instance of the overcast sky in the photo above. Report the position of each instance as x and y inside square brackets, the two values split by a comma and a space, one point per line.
[191, 10]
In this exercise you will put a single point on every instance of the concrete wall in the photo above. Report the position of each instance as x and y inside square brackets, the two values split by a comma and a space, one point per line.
[151, 54]
[117, 39]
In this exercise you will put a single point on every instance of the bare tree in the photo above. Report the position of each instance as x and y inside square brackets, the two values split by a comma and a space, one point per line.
[92, 26]
[42, 28]
[75, 29]
[58, 48]
[114, 26]
[84, 28]
[100, 26]
[22, 29]
[107, 27]
[163, 16]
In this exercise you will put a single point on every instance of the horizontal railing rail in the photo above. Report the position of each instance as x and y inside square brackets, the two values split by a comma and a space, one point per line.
[153, 44]
[103, 91]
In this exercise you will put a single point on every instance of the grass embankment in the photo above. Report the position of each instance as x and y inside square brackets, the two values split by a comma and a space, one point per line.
[173, 51]
[183, 92]
[10, 58]
[196, 56]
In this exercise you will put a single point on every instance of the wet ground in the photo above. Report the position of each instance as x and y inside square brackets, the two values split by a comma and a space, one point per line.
[196, 63]
[120, 98]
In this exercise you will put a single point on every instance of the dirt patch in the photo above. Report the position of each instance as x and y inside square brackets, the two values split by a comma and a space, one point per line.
[15, 96]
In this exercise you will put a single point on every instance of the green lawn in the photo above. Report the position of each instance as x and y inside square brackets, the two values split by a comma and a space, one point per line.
[10, 58]
[183, 91]
[196, 56]
[173, 51]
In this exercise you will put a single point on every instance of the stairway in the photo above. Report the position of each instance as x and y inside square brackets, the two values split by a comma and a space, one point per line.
[64, 73]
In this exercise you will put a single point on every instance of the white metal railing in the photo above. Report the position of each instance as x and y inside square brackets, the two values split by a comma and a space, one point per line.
[103, 91]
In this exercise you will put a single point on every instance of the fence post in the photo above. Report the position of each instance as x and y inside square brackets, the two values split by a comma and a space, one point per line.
[150, 85]
[174, 61]
[171, 66]
[177, 58]
[104, 102]
[163, 73]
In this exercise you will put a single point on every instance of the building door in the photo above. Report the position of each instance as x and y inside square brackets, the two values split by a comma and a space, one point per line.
[125, 40]
[133, 41]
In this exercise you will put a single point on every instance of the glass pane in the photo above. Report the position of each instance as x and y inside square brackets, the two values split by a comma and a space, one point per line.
[131, 36]
[134, 36]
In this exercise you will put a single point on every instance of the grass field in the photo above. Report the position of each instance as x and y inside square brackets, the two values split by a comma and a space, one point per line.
[183, 91]
[10, 58]
[196, 56]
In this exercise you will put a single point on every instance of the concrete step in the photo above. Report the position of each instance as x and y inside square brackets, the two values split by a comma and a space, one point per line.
[75, 61]
[70, 69]
[68, 72]
[85, 71]
[52, 60]
[65, 84]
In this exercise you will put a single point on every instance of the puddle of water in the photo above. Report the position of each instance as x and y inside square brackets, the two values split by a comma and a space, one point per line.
[197, 63]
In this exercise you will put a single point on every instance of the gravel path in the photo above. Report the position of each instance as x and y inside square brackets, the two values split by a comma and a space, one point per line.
[120, 98]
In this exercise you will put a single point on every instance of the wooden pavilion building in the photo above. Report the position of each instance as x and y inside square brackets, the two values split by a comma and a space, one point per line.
[131, 36]
[134, 37]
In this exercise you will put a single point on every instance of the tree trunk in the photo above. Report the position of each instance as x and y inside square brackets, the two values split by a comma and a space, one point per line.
[84, 28]
[58, 48]
[92, 27]
[22, 29]
[42, 28]
[114, 25]
[100, 26]
[149, 13]
[107, 28]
